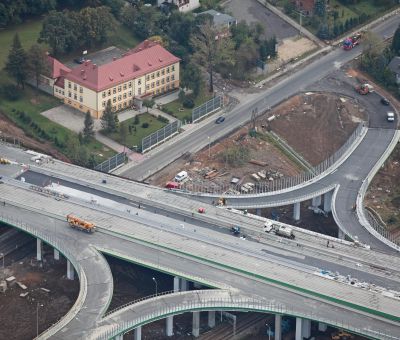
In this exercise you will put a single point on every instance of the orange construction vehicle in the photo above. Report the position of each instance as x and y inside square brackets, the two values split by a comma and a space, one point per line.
[341, 335]
[78, 223]
[364, 89]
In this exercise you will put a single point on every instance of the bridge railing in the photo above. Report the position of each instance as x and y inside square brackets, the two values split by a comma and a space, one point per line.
[281, 183]
[56, 327]
[204, 300]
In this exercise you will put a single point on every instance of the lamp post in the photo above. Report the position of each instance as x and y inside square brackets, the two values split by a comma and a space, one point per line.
[155, 281]
[209, 147]
[269, 331]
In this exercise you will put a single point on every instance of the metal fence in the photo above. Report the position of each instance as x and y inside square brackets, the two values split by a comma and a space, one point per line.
[380, 228]
[207, 108]
[160, 136]
[276, 184]
[111, 163]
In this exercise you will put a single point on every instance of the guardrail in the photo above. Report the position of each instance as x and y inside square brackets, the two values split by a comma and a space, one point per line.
[208, 300]
[56, 327]
[279, 184]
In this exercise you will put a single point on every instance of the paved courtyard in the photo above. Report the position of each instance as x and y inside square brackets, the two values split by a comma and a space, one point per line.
[252, 11]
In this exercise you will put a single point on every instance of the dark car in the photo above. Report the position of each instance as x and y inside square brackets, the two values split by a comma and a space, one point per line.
[79, 60]
[384, 101]
[220, 120]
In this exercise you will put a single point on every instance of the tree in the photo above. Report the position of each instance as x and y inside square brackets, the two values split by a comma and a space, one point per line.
[16, 62]
[72, 146]
[210, 51]
[108, 118]
[372, 45]
[396, 41]
[148, 103]
[320, 7]
[37, 63]
[192, 78]
[88, 131]
[123, 133]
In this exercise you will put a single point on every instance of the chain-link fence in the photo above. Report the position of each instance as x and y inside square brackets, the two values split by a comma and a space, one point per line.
[207, 108]
[111, 163]
[275, 184]
[160, 136]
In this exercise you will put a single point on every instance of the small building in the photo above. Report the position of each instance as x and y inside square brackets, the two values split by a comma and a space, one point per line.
[305, 6]
[221, 21]
[183, 5]
[51, 76]
[394, 66]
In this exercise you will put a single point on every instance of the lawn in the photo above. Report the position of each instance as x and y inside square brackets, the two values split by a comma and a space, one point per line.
[176, 109]
[122, 38]
[137, 132]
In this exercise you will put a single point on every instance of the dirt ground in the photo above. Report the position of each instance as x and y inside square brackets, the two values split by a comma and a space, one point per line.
[21, 313]
[10, 131]
[315, 125]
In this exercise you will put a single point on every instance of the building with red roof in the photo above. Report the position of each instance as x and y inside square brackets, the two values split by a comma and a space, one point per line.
[147, 70]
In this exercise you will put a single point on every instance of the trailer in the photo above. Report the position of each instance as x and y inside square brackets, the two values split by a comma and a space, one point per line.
[284, 231]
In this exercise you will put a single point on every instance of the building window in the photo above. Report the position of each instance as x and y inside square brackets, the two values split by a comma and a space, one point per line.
[75, 87]
[147, 87]
[104, 94]
[124, 95]
[172, 77]
[163, 81]
[75, 96]
[173, 67]
[119, 88]
[80, 89]
[163, 71]
[124, 104]
[119, 106]
[158, 74]
[147, 77]
[129, 84]
[152, 85]
[167, 87]
[139, 91]
[125, 86]
[167, 69]
[167, 79]
[103, 104]
[109, 92]
[152, 76]
[119, 97]
[130, 94]
[69, 85]
[81, 99]
[114, 99]
[114, 90]
[139, 82]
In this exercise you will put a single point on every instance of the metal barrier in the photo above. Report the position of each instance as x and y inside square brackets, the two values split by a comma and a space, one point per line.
[111, 163]
[207, 108]
[160, 136]
[280, 183]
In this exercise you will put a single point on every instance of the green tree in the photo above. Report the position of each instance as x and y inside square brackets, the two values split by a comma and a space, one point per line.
[192, 78]
[123, 133]
[108, 119]
[72, 146]
[396, 41]
[148, 103]
[320, 7]
[88, 131]
[37, 63]
[210, 51]
[16, 62]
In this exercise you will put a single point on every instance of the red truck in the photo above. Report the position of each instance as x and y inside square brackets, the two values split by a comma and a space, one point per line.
[351, 42]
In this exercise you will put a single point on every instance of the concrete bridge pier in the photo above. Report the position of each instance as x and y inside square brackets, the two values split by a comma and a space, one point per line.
[137, 334]
[278, 327]
[177, 281]
[196, 324]
[184, 286]
[211, 319]
[341, 234]
[316, 201]
[56, 254]
[306, 328]
[169, 326]
[70, 270]
[322, 327]
[328, 201]
[299, 329]
[296, 211]
[38, 249]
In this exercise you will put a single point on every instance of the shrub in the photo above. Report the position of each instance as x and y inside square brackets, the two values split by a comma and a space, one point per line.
[145, 125]
[188, 103]
[11, 92]
[162, 119]
[136, 120]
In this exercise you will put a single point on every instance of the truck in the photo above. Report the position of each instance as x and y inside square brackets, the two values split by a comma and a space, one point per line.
[284, 231]
[350, 42]
[173, 185]
[80, 224]
[364, 88]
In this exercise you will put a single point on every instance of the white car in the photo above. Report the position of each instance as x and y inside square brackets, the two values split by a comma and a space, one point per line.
[390, 116]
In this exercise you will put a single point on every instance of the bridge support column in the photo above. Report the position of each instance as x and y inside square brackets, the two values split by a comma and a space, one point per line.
[296, 211]
[184, 285]
[196, 324]
[316, 201]
[328, 201]
[211, 319]
[341, 234]
[38, 249]
[56, 254]
[70, 270]
[258, 211]
[119, 337]
[176, 283]
[278, 327]
[306, 328]
[299, 329]
[137, 334]
[169, 330]
[322, 326]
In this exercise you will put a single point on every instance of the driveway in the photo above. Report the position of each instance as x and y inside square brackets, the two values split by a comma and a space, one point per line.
[252, 11]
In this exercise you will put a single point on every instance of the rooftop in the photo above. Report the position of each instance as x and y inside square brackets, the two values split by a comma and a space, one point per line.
[219, 19]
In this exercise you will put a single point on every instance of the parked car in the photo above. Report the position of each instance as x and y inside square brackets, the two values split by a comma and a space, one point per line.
[384, 101]
[79, 60]
[220, 120]
[390, 116]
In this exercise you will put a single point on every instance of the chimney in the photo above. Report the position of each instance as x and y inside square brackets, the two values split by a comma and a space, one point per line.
[94, 66]
[149, 63]
[111, 78]
[146, 43]
[121, 74]
[86, 62]
[114, 58]
[160, 60]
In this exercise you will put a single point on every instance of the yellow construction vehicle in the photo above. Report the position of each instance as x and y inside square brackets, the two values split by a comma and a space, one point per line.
[78, 223]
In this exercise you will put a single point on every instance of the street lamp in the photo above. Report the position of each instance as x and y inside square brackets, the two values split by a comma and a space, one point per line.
[209, 147]
[155, 281]
[37, 319]
[269, 331]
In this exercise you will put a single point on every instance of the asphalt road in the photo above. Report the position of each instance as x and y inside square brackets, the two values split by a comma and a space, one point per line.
[241, 114]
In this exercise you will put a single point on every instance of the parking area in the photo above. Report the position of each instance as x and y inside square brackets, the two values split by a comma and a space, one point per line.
[252, 11]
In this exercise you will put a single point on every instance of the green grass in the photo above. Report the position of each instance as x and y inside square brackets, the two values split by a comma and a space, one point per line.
[123, 38]
[135, 138]
[28, 33]
[182, 113]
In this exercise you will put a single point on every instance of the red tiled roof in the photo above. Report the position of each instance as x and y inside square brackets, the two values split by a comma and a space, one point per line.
[56, 67]
[60, 82]
[134, 64]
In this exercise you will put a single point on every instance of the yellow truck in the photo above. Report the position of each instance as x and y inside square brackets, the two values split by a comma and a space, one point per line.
[78, 223]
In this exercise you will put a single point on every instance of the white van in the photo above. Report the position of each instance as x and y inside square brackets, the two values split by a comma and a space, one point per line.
[181, 176]
[390, 116]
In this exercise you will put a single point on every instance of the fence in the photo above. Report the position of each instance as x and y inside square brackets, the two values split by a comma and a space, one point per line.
[111, 163]
[279, 183]
[160, 136]
[207, 108]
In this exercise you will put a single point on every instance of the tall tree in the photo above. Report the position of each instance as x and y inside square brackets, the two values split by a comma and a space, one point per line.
[210, 49]
[16, 62]
[192, 78]
[108, 122]
[37, 62]
[396, 41]
[88, 131]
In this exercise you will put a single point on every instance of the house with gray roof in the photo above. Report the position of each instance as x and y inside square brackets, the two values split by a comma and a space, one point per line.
[221, 21]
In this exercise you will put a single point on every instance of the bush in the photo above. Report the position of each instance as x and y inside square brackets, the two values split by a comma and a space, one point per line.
[188, 103]
[136, 120]
[162, 119]
[11, 92]
[145, 125]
